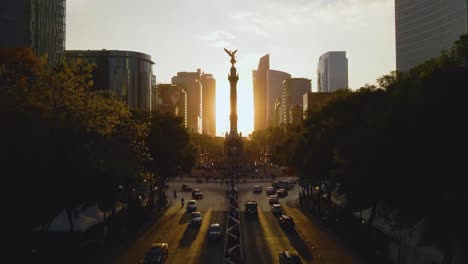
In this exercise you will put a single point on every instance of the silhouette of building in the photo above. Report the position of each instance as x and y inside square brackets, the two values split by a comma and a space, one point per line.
[154, 92]
[209, 104]
[260, 79]
[267, 86]
[38, 25]
[313, 101]
[292, 95]
[296, 114]
[127, 73]
[172, 99]
[191, 83]
[332, 71]
[274, 91]
[426, 27]
[278, 113]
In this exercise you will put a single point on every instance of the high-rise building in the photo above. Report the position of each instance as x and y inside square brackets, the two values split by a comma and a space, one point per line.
[274, 91]
[278, 113]
[209, 104]
[267, 87]
[127, 73]
[292, 95]
[260, 92]
[424, 28]
[172, 100]
[332, 71]
[35, 24]
[191, 83]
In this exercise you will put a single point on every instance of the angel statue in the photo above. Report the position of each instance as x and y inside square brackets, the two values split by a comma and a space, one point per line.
[232, 55]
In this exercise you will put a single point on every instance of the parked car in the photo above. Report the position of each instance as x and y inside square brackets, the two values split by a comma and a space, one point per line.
[257, 189]
[158, 253]
[196, 219]
[273, 199]
[214, 231]
[270, 190]
[186, 188]
[191, 205]
[276, 209]
[251, 208]
[282, 193]
[289, 257]
[286, 222]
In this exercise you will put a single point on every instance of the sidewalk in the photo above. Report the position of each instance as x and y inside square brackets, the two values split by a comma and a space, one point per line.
[357, 237]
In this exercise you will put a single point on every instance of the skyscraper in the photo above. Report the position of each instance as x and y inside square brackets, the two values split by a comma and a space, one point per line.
[424, 28]
[209, 104]
[274, 91]
[332, 71]
[191, 83]
[35, 24]
[260, 92]
[267, 88]
[127, 73]
[293, 92]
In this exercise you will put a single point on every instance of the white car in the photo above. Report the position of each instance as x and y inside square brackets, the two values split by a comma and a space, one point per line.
[276, 209]
[192, 205]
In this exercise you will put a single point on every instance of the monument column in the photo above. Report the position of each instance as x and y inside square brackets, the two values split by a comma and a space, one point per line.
[233, 78]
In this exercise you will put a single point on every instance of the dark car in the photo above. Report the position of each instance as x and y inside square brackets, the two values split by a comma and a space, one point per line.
[275, 184]
[196, 219]
[197, 194]
[282, 193]
[156, 254]
[286, 222]
[215, 231]
[186, 188]
[270, 190]
[289, 257]
[257, 189]
[251, 208]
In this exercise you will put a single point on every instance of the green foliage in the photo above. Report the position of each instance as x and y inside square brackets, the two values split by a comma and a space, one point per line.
[402, 142]
[71, 143]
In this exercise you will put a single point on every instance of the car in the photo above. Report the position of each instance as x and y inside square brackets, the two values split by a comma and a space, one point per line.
[291, 180]
[251, 208]
[257, 189]
[196, 219]
[282, 193]
[275, 184]
[191, 205]
[276, 209]
[214, 231]
[273, 199]
[270, 190]
[289, 257]
[158, 253]
[284, 185]
[186, 188]
[286, 222]
[197, 194]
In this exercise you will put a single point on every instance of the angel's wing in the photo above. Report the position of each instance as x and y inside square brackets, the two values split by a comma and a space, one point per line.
[228, 52]
[234, 52]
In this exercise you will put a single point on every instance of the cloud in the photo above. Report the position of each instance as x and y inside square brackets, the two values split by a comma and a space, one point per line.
[218, 38]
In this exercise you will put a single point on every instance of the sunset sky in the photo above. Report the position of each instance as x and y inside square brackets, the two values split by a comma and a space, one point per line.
[183, 35]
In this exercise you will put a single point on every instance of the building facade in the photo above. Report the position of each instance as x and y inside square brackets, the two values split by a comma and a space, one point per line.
[209, 104]
[274, 91]
[332, 71]
[260, 78]
[278, 113]
[172, 100]
[35, 24]
[191, 83]
[127, 73]
[423, 28]
[292, 95]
